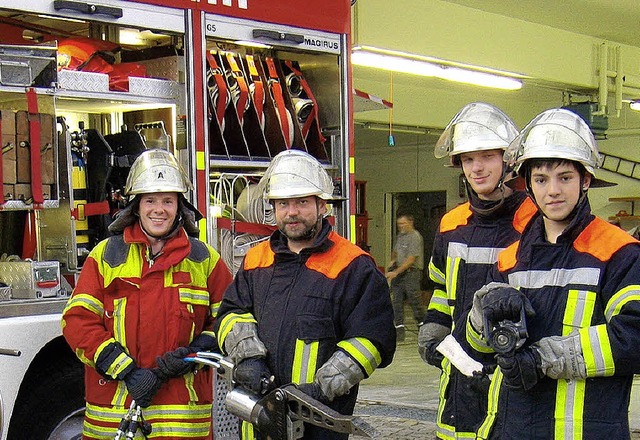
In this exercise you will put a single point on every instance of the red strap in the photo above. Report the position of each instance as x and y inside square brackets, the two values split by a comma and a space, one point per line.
[276, 91]
[222, 88]
[241, 104]
[314, 111]
[258, 89]
[246, 227]
[84, 210]
[34, 146]
[1, 175]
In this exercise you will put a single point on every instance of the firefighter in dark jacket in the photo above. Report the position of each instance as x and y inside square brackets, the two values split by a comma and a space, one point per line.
[465, 248]
[577, 278]
[307, 307]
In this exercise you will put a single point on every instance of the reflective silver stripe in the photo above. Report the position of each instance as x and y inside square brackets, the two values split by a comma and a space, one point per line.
[617, 301]
[597, 344]
[474, 255]
[536, 279]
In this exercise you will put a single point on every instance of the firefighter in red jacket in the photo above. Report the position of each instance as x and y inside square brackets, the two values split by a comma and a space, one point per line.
[577, 278]
[307, 306]
[146, 298]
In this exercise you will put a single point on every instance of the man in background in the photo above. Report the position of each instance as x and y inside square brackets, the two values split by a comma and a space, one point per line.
[405, 273]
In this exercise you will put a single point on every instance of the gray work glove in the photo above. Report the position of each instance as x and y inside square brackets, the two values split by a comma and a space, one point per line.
[243, 342]
[142, 384]
[561, 357]
[429, 336]
[338, 375]
[254, 375]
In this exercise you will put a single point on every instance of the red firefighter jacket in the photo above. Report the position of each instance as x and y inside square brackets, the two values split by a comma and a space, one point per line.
[150, 309]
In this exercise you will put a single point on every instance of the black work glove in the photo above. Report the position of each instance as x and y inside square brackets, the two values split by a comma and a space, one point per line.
[142, 384]
[430, 355]
[480, 383]
[204, 342]
[254, 375]
[172, 363]
[521, 370]
[314, 391]
[505, 303]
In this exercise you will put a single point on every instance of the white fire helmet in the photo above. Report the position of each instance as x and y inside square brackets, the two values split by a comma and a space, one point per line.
[556, 134]
[294, 173]
[156, 171]
[478, 126]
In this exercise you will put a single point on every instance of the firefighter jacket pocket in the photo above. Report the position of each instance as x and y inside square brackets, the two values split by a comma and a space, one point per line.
[316, 339]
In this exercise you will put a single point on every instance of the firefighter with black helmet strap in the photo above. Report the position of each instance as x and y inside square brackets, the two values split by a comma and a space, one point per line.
[145, 299]
[307, 306]
[580, 275]
[465, 248]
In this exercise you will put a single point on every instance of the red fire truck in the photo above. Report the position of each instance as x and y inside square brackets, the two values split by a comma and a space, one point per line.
[85, 87]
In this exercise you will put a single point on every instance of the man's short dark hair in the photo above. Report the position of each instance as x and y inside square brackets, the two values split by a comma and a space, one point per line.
[530, 164]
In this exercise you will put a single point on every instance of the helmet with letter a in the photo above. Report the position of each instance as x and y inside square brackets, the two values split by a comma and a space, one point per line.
[478, 126]
[156, 171]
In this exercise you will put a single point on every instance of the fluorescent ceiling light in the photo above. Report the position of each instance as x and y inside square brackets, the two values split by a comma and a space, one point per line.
[399, 62]
[635, 105]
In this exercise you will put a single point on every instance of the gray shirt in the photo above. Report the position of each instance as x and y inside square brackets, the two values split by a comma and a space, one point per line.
[408, 244]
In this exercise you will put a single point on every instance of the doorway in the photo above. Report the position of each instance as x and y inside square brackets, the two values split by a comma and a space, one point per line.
[427, 208]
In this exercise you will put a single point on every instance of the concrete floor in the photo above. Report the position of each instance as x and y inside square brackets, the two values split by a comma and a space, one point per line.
[401, 400]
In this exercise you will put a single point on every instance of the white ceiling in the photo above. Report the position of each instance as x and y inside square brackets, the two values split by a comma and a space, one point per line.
[613, 20]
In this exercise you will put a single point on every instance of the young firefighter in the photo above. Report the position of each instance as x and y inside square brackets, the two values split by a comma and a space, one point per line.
[578, 279]
[145, 299]
[465, 248]
[307, 306]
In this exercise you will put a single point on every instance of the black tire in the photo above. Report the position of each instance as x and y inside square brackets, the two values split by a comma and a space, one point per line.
[51, 398]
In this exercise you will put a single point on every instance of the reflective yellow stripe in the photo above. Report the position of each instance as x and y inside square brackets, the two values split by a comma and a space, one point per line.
[569, 405]
[475, 339]
[247, 431]
[229, 321]
[439, 302]
[492, 405]
[194, 296]
[119, 313]
[435, 274]
[183, 422]
[617, 301]
[120, 396]
[86, 301]
[453, 266]
[569, 409]
[596, 349]
[364, 352]
[214, 308]
[304, 362]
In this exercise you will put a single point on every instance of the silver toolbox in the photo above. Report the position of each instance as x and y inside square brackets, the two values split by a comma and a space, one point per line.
[31, 279]
[28, 65]
[83, 81]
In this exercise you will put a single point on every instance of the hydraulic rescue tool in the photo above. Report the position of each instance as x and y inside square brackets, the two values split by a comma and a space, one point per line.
[281, 413]
[131, 422]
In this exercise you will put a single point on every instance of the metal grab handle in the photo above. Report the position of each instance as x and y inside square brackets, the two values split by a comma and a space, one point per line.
[278, 36]
[87, 8]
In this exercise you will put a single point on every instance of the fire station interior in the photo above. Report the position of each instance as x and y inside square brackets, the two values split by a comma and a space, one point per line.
[582, 55]
[123, 89]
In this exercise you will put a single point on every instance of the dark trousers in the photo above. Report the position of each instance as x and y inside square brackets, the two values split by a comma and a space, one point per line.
[406, 286]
